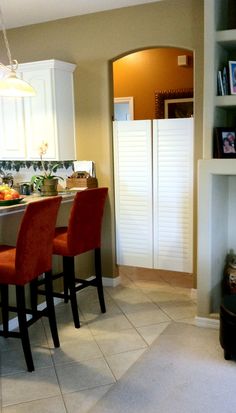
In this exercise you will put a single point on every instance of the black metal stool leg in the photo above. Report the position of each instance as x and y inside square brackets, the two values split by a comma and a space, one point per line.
[24, 335]
[65, 286]
[98, 274]
[51, 308]
[34, 295]
[69, 273]
[5, 312]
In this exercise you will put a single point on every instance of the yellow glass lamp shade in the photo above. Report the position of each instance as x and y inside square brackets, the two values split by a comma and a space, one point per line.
[12, 86]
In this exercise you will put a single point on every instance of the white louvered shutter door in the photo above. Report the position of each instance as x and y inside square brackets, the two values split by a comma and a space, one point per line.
[133, 192]
[173, 194]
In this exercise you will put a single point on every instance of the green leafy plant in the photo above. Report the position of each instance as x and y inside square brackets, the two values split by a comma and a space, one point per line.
[38, 180]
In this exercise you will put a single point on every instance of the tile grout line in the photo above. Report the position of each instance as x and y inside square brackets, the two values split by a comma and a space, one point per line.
[54, 367]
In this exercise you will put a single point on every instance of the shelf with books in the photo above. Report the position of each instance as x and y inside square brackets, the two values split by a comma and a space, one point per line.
[220, 49]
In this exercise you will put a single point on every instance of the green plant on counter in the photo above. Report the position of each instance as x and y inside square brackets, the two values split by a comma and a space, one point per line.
[38, 180]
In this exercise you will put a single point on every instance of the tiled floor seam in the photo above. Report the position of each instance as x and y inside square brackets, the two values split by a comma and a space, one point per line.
[159, 308]
[54, 366]
[122, 352]
[33, 400]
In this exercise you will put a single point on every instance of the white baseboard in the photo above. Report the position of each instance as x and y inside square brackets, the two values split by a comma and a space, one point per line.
[207, 322]
[111, 282]
[193, 293]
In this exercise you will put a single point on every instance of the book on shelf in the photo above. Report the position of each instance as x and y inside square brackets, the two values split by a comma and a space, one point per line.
[220, 83]
[225, 80]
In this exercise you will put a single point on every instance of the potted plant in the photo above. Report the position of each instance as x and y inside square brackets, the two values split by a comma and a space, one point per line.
[47, 182]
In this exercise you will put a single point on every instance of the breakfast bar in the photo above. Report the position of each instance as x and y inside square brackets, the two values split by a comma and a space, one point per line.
[67, 196]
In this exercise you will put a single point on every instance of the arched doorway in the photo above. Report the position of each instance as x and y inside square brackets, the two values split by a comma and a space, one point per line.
[142, 76]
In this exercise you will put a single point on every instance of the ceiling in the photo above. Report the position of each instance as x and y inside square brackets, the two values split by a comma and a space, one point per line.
[18, 13]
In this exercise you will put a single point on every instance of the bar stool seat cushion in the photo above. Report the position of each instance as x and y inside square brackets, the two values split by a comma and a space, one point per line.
[7, 265]
[60, 241]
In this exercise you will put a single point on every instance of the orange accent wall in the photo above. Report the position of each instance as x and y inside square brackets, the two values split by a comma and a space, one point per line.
[142, 73]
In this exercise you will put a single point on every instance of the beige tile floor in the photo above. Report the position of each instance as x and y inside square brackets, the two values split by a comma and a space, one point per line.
[91, 359]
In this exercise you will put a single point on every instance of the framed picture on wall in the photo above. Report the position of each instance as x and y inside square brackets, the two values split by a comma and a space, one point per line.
[173, 103]
[178, 108]
[224, 142]
[232, 77]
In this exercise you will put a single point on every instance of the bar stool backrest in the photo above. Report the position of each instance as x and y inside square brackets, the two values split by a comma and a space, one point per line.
[85, 222]
[35, 239]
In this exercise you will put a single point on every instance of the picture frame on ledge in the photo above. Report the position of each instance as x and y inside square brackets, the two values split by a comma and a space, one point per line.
[232, 77]
[224, 142]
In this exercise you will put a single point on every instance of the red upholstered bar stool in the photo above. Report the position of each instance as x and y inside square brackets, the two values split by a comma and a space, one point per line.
[22, 264]
[82, 234]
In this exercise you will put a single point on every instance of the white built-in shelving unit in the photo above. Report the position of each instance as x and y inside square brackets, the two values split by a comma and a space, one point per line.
[217, 177]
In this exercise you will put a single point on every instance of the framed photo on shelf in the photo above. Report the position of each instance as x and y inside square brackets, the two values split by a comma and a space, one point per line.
[224, 142]
[232, 77]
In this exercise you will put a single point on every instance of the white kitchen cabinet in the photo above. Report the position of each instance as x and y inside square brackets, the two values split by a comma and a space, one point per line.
[153, 193]
[48, 116]
[12, 130]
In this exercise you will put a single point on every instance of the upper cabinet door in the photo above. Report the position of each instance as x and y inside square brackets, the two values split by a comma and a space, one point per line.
[40, 115]
[49, 116]
[12, 139]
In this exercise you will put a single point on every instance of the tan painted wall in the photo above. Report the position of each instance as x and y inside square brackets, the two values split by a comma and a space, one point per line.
[92, 42]
[143, 73]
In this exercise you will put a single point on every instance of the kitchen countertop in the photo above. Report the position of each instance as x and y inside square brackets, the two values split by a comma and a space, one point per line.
[67, 196]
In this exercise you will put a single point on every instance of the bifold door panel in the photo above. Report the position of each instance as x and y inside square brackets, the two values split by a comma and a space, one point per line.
[133, 193]
[173, 194]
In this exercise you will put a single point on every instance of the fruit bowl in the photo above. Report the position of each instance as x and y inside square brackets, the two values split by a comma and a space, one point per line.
[7, 202]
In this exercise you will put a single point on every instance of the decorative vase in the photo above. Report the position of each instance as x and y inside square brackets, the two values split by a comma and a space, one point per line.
[49, 187]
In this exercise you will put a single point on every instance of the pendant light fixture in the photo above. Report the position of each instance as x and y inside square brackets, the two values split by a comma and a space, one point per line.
[10, 84]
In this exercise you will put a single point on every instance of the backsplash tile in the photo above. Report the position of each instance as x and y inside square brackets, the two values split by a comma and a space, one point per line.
[22, 171]
[8, 166]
